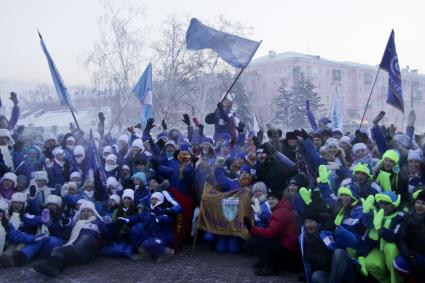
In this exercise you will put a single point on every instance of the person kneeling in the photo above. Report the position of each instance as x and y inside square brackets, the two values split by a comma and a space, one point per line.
[276, 241]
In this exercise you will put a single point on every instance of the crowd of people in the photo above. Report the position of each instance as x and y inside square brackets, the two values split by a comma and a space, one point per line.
[332, 205]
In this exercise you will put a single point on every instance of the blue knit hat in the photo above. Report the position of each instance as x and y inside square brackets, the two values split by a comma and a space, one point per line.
[141, 176]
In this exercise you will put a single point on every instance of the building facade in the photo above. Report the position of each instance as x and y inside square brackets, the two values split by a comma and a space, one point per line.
[264, 75]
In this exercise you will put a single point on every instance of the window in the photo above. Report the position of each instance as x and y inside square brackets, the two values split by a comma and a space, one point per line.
[367, 78]
[336, 75]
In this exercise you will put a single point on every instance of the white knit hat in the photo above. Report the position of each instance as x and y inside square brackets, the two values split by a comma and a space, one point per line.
[4, 205]
[416, 154]
[78, 149]
[111, 157]
[128, 193]
[89, 205]
[332, 142]
[159, 196]
[111, 181]
[359, 146]
[19, 197]
[41, 175]
[10, 176]
[54, 199]
[346, 140]
[57, 151]
[75, 174]
[6, 133]
[48, 136]
[123, 138]
[115, 198]
[139, 144]
[70, 138]
[125, 167]
[107, 149]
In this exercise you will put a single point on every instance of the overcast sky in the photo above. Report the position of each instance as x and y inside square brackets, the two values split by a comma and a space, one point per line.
[335, 29]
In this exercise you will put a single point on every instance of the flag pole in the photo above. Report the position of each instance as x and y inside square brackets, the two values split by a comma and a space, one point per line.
[240, 72]
[75, 119]
[368, 100]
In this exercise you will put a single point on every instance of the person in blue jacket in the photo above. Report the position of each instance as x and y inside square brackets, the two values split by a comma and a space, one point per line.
[349, 211]
[259, 204]
[20, 221]
[9, 237]
[122, 247]
[54, 224]
[152, 233]
[33, 162]
[60, 170]
[82, 246]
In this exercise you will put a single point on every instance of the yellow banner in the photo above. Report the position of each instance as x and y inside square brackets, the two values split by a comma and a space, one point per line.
[223, 213]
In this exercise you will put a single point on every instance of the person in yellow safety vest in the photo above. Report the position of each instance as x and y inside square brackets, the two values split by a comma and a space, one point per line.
[386, 223]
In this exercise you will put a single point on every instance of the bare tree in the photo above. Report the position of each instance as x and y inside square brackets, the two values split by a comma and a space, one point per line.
[116, 58]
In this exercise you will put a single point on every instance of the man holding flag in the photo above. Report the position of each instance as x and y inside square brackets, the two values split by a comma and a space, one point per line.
[234, 50]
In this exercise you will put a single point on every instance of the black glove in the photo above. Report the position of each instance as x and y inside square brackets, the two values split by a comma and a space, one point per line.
[328, 224]
[168, 211]
[240, 127]
[101, 117]
[160, 143]
[193, 158]
[65, 221]
[186, 119]
[164, 124]
[304, 134]
[220, 106]
[256, 141]
[138, 126]
[201, 129]
[269, 148]
[154, 164]
[260, 135]
[247, 223]
[14, 98]
[33, 191]
[20, 129]
[149, 124]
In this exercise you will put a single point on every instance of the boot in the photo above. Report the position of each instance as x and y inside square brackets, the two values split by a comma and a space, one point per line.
[6, 261]
[47, 269]
[144, 254]
[20, 258]
[166, 255]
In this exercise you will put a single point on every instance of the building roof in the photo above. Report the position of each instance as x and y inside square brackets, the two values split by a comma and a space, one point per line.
[273, 57]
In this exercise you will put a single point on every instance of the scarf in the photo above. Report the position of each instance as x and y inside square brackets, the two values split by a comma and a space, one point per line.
[109, 168]
[77, 229]
[15, 220]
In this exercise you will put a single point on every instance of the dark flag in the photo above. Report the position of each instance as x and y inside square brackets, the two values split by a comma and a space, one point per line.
[389, 63]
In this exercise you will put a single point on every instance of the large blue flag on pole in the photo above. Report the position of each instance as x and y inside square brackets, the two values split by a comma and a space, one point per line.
[390, 64]
[60, 87]
[94, 160]
[235, 50]
[143, 90]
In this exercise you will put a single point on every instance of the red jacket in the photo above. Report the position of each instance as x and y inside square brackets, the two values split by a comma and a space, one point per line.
[282, 225]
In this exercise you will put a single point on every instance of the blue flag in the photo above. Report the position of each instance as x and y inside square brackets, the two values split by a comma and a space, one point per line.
[61, 89]
[143, 90]
[94, 160]
[389, 63]
[235, 50]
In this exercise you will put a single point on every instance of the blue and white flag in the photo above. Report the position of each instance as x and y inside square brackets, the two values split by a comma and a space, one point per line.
[235, 50]
[390, 64]
[336, 111]
[94, 160]
[143, 90]
[61, 89]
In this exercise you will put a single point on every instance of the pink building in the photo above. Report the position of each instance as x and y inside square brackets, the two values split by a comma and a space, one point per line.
[264, 75]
